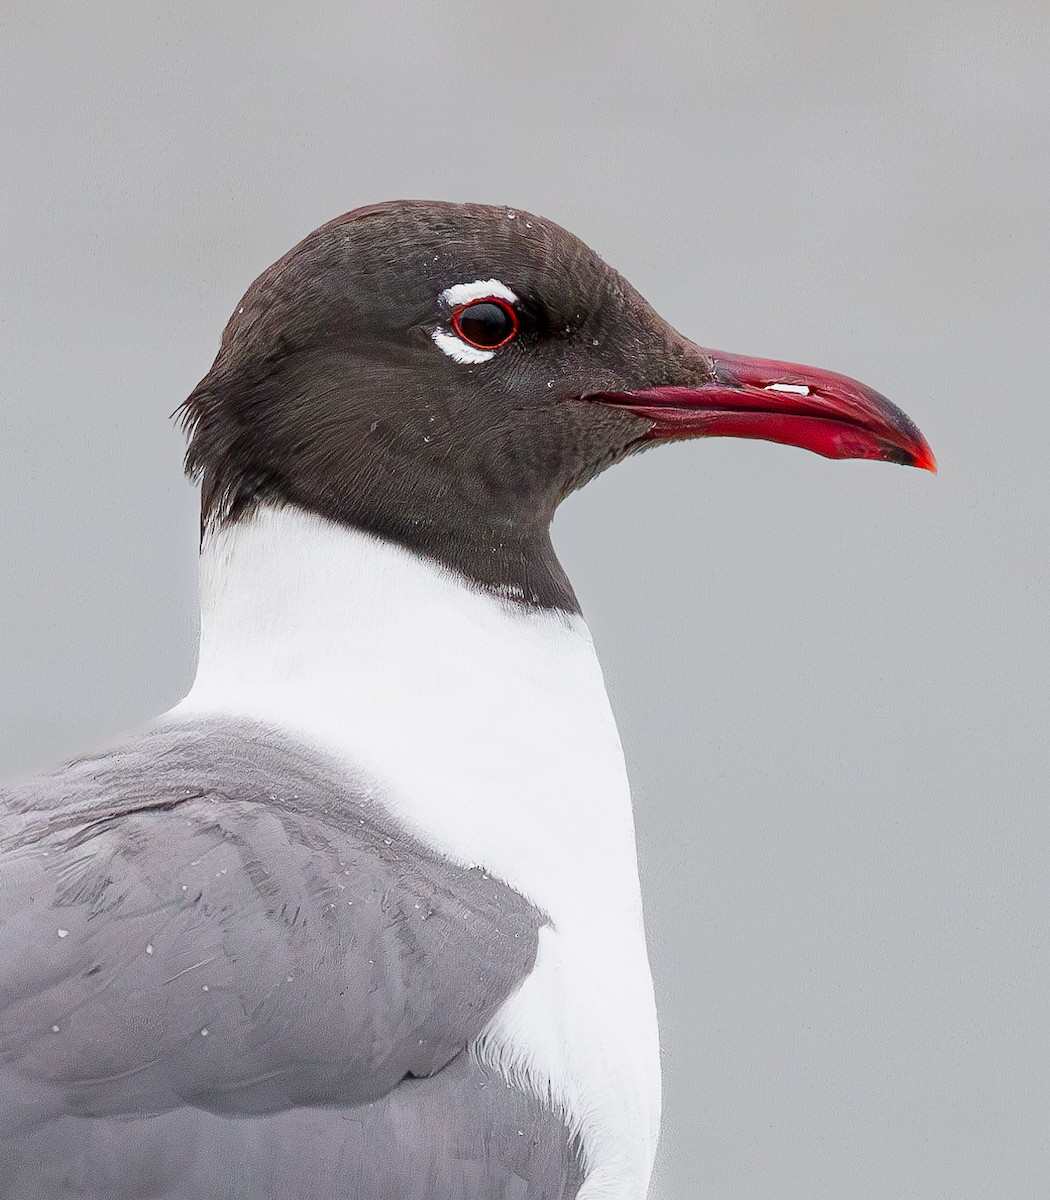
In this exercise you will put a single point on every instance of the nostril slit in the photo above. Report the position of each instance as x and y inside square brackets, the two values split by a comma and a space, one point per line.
[796, 389]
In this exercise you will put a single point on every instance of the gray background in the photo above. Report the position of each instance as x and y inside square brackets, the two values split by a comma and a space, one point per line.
[829, 676]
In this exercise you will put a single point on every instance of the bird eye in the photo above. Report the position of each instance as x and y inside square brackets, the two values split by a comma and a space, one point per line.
[486, 324]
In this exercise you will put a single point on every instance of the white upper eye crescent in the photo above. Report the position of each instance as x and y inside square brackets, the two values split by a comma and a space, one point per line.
[481, 289]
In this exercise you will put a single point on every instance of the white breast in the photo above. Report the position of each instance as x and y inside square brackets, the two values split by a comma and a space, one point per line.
[486, 727]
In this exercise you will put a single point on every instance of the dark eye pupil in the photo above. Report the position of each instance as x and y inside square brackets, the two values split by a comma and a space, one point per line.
[486, 324]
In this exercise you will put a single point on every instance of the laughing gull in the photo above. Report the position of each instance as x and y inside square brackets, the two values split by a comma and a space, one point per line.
[360, 917]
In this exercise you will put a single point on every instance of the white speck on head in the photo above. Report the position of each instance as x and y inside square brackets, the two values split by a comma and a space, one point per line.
[511, 216]
[54, 1029]
[387, 841]
[289, 978]
[204, 987]
[480, 289]
[796, 389]
[63, 933]
[204, 1033]
[149, 948]
[457, 349]
[240, 310]
[595, 342]
[528, 224]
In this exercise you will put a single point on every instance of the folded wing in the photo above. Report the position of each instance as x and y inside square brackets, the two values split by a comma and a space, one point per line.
[212, 915]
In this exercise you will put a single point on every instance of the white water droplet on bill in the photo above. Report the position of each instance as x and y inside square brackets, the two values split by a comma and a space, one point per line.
[796, 389]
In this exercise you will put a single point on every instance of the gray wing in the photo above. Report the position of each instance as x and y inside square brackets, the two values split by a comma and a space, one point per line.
[211, 916]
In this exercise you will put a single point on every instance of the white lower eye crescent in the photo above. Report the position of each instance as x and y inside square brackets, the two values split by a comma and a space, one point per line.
[459, 350]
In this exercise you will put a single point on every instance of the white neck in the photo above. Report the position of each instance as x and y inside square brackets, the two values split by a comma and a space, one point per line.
[477, 718]
[485, 728]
